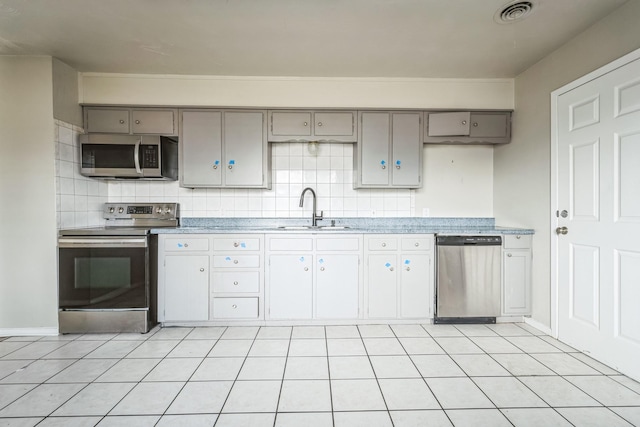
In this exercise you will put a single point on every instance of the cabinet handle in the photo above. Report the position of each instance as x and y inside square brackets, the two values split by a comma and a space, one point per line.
[384, 166]
[319, 123]
[215, 166]
[306, 269]
[397, 166]
[235, 261]
[517, 237]
[384, 245]
[186, 245]
[121, 121]
[417, 244]
[464, 122]
[408, 269]
[509, 255]
[306, 124]
[230, 166]
[234, 306]
[235, 283]
[390, 268]
[321, 268]
[202, 269]
[236, 244]
[137, 122]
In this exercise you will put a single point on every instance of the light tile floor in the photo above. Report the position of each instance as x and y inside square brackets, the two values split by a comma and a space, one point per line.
[311, 376]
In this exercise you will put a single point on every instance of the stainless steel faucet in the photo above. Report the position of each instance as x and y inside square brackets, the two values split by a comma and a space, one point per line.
[314, 217]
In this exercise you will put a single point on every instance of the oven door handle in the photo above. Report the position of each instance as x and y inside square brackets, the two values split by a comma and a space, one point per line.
[118, 242]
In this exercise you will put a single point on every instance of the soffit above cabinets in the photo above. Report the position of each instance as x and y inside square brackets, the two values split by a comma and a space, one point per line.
[337, 38]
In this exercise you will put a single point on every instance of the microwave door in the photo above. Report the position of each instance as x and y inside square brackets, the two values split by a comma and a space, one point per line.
[111, 160]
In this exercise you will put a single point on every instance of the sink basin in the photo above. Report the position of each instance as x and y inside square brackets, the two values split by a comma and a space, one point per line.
[310, 227]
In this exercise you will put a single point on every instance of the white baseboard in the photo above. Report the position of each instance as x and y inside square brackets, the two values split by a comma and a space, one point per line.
[28, 332]
[539, 326]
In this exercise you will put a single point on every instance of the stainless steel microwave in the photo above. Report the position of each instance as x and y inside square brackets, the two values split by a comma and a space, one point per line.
[129, 157]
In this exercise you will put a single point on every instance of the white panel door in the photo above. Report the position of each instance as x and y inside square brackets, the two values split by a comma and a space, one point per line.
[337, 286]
[407, 150]
[290, 286]
[415, 285]
[244, 148]
[374, 147]
[186, 281]
[598, 125]
[382, 286]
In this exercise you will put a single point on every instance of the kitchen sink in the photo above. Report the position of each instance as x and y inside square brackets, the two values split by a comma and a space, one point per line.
[310, 227]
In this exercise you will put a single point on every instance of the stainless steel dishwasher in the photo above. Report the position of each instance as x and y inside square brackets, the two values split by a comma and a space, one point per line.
[468, 279]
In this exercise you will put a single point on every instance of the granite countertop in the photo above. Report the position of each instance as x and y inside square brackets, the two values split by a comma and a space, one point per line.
[451, 226]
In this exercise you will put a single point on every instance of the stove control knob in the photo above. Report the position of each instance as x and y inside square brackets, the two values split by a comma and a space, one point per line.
[120, 210]
[167, 211]
[159, 211]
[112, 210]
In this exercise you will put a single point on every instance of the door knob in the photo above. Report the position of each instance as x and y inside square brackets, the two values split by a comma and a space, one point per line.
[562, 230]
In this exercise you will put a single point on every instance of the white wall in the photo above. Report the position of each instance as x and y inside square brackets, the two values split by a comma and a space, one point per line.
[28, 284]
[522, 168]
[458, 181]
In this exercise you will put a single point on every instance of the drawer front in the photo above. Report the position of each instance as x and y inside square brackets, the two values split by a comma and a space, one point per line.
[289, 244]
[338, 244]
[517, 241]
[417, 243]
[382, 244]
[236, 261]
[235, 308]
[236, 244]
[245, 281]
[186, 245]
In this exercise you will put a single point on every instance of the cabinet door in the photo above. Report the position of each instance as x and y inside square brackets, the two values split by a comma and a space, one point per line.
[382, 286]
[244, 148]
[186, 281]
[201, 148]
[107, 121]
[336, 126]
[415, 285]
[337, 286]
[489, 125]
[290, 286]
[374, 149]
[290, 123]
[407, 150]
[159, 122]
[448, 124]
[516, 291]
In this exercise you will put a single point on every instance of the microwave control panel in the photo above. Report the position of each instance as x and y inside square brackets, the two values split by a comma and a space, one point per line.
[149, 156]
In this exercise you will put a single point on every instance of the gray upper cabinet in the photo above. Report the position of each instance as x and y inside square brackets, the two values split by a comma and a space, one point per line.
[468, 127]
[224, 149]
[147, 121]
[302, 125]
[389, 151]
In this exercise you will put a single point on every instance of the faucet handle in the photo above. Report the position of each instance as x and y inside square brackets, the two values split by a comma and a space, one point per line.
[321, 215]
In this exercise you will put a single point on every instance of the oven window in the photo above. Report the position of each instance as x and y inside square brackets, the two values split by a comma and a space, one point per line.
[102, 272]
[102, 278]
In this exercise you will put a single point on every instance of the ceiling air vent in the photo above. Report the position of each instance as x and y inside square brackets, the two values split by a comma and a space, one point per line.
[514, 12]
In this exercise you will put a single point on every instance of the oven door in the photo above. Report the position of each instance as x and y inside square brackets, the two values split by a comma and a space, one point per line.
[103, 273]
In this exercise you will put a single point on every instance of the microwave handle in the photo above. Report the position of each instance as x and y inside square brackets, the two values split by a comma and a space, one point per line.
[136, 157]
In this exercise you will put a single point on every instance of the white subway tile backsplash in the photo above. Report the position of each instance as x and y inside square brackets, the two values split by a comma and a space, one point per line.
[330, 174]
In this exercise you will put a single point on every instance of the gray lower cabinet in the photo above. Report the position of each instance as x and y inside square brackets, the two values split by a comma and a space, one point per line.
[390, 150]
[221, 148]
[142, 121]
[468, 127]
[300, 125]
[516, 275]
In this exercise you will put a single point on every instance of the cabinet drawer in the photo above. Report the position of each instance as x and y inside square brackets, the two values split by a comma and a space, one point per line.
[236, 261]
[382, 244]
[417, 243]
[246, 281]
[186, 245]
[338, 244]
[237, 244]
[516, 241]
[235, 308]
[305, 244]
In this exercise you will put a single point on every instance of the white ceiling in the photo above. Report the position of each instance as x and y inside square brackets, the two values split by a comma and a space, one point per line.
[310, 38]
